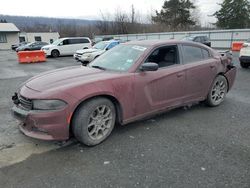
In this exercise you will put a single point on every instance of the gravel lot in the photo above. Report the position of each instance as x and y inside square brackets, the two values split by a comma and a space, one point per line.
[196, 147]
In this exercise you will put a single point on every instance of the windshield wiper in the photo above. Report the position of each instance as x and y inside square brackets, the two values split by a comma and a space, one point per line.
[98, 67]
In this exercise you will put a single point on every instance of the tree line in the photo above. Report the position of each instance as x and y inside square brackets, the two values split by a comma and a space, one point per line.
[175, 15]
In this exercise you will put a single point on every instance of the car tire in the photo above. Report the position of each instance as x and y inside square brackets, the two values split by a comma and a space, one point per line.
[244, 65]
[93, 121]
[218, 91]
[55, 53]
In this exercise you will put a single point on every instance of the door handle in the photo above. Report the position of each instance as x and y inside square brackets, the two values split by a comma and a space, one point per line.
[212, 66]
[180, 75]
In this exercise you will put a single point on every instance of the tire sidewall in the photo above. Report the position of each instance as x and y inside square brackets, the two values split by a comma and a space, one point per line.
[209, 100]
[81, 118]
[55, 53]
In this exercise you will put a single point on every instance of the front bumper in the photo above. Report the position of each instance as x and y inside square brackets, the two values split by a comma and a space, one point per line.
[44, 125]
[86, 58]
[47, 52]
[77, 56]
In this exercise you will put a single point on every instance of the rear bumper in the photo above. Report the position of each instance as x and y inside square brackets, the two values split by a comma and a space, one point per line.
[231, 75]
[244, 59]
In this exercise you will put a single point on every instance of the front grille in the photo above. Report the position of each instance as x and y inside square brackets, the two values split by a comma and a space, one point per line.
[25, 103]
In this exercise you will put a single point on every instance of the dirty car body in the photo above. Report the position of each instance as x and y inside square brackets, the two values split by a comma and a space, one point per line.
[46, 104]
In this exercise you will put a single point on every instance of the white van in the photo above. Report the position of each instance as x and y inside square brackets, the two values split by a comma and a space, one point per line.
[67, 46]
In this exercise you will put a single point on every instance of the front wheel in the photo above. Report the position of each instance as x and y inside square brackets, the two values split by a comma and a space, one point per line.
[94, 121]
[218, 91]
[55, 53]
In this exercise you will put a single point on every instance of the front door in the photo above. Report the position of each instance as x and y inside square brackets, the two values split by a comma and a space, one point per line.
[163, 88]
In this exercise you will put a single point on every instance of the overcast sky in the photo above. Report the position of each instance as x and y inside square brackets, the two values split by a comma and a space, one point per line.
[90, 9]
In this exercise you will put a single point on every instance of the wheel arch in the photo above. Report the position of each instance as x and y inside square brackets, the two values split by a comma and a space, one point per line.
[223, 74]
[115, 101]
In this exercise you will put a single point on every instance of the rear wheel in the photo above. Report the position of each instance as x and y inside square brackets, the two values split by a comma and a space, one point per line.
[218, 91]
[94, 121]
[244, 65]
[55, 53]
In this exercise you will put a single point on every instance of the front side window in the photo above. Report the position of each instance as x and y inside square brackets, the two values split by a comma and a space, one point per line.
[3, 38]
[113, 44]
[192, 54]
[120, 58]
[197, 39]
[164, 56]
[66, 42]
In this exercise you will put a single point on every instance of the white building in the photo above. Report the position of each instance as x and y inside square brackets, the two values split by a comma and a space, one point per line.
[48, 37]
[9, 34]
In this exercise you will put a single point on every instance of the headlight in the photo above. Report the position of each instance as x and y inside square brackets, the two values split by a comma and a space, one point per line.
[48, 104]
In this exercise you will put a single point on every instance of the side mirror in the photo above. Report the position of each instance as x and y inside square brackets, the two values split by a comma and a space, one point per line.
[60, 44]
[149, 67]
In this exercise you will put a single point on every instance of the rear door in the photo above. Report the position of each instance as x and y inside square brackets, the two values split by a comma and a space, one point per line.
[200, 71]
[163, 88]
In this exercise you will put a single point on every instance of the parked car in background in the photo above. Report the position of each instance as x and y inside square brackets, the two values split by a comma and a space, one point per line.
[88, 55]
[245, 55]
[134, 80]
[15, 46]
[201, 39]
[67, 46]
[31, 46]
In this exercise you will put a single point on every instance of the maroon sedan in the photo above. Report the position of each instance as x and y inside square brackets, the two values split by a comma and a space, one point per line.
[130, 82]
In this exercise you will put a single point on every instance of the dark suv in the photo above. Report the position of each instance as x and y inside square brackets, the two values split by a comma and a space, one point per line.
[201, 39]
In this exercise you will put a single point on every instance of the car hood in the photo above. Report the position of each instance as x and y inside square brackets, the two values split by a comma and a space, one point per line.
[66, 77]
[91, 50]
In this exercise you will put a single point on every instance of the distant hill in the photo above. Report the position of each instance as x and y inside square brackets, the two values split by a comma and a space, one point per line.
[27, 23]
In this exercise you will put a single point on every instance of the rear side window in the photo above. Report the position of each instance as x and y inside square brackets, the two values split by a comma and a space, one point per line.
[192, 54]
[206, 54]
[78, 41]
[206, 38]
[84, 41]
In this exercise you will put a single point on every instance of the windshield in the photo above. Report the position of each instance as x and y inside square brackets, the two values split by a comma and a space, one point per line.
[120, 58]
[57, 42]
[100, 45]
[188, 39]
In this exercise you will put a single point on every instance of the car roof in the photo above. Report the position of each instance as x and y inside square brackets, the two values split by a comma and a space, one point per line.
[152, 43]
[75, 38]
